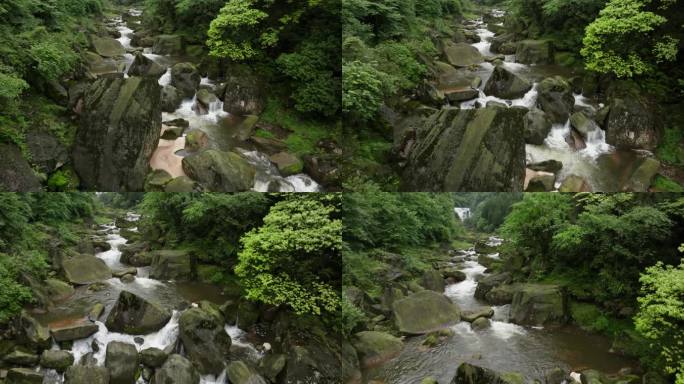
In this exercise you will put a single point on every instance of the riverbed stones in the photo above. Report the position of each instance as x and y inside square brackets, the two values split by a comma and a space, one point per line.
[220, 171]
[107, 46]
[24, 376]
[468, 150]
[122, 361]
[186, 78]
[471, 316]
[119, 130]
[168, 45]
[176, 370]
[480, 323]
[153, 357]
[21, 358]
[409, 312]
[471, 374]
[171, 98]
[57, 360]
[204, 339]
[643, 176]
[539, 304]
[487, 283]
[287, 163]
[537, 126]
[16, 174]
[583, 124]
[244, 92]
[86, 374]
[375, 348]
[172, 265]
[72, 330]
[35, 334]
[506, 84]
[631, 124]
[556, 98]
[462, 54]
[535, 52]
[462, 94]
[134, 315]
[83, 269]
[143, 66]
[240, 373]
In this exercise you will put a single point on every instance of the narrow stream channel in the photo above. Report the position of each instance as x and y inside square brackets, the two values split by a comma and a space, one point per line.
[604, 167]
[174, 296]
[503, 347]
[220, 126]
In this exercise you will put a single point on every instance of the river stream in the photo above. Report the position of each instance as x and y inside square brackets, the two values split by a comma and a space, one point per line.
[175, 296]
[604, 167]
[504, 347]
[220, 126]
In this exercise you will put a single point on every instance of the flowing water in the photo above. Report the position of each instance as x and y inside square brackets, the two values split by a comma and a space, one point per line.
[220, 126]
[504, 347]
[175, 296]
[604, 167]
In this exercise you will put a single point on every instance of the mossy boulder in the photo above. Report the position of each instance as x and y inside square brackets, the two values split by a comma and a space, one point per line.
[107, 46]
[176, 370]
[506, 84]
[537, 126]
[462, 54]
[171, 98]
[487, 283]
[472, 374]
[375, 348]
[244, 92]
[204, 340]
[287, 163]
[143, 66]
[157, 180]
[21, 358]
[36, 335]
[240, 373]
[409, 312]
[433, 280]
[468, 150]
[16, 174]
[196, 140]
[134, 315]
[86, 374]
[556, 98]
[181, 184]
[220, 171]
[574, 183]
[72, 330]
[168, 45]
[643, 176]
[57, 360]
[122, 362]
[84, 269]
[583, 124]
[24, 376]
[186, 78]
[153, 357]
[539, 304]
[632, 124]
[470, 316]
[272, 365]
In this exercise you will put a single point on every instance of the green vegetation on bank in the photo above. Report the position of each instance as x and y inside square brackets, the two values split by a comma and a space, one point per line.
[31, 225]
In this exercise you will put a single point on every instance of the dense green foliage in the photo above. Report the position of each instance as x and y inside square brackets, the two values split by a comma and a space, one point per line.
[41, 41]
[661, 315]
[27, 222]
[294, 257]
[599, 244]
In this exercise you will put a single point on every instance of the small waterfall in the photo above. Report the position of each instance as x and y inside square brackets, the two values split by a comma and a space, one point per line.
[462, 213]
[268, 178]
[485, 41]
[165, 79]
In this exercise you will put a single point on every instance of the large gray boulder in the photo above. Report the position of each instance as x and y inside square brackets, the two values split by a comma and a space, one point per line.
[539, 304]
[143, 66]
[535, 52]
[72, 330]
[57, 360]
[240, 373]
[171, 98]
[120, 127]
[168, 45]
[643, 176]
[537, 126]
[186, 78]
[16, 174]
[472, 374]
[410, 312]
[632, 124]
[86, 374]
[122, 361]
[462, 54]
[375, 348]
[468, 150]
[83, 269]
[556, 98]
[583, 124]
[136, 316]
[487, 283]
[244, 92]
[220, 171]
[107, 46]
[35, 334]
[172, 265]
[176, 370]
[505, 84]
[204, 339]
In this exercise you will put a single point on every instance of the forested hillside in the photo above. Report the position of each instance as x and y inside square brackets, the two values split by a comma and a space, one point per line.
[278, 61]
[582, 282]
[571, 64]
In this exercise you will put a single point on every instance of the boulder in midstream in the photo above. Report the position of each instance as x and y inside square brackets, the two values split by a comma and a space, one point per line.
[72, 329]
[244, 92]
[119, 130]
[107, 46]
[287, 163]
[462, 54]
[176, 370]
[535, 52]
[83, 269]
[240, 373]
[487, 283]
[505, 84]
[583, 124]
[204, 339]
[409, 312]
[186, 78]
[24, 376]
[143, 66]
[172, 265]
[556, 98]
[539, 304]
[537, 126]
[489, 154]
[153, 357]
[86, 374]
[375, 348]
[220, 171]
[122, 362]
[471, 374]
[171, 98]
[134, 315]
